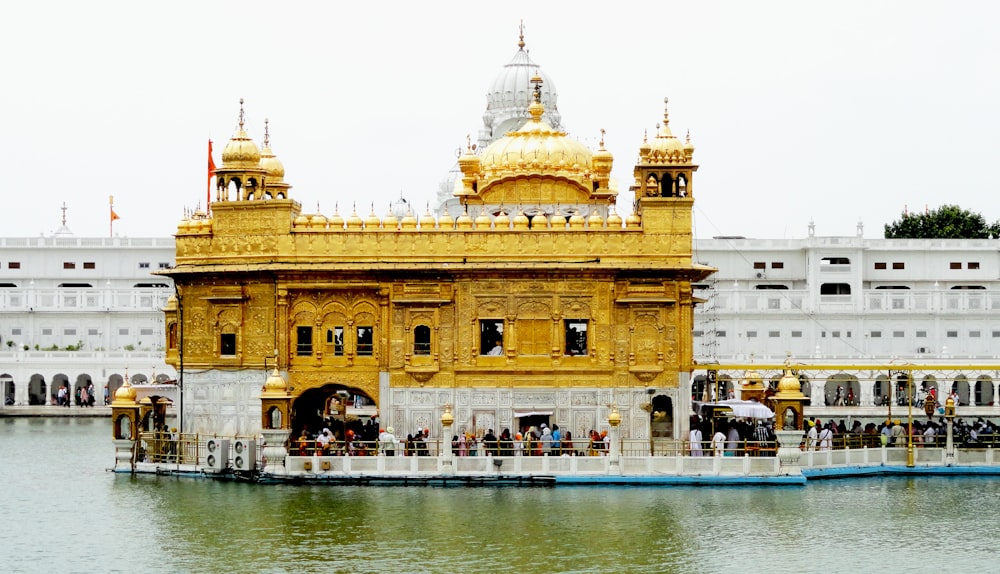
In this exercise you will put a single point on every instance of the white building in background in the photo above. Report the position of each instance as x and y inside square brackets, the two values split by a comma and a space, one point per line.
[851, 300]
[75, 310]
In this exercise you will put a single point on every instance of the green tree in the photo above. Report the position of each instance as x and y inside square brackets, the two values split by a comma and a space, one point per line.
[945, 222]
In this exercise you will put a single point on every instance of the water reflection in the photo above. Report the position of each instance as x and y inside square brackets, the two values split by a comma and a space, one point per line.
[167, 524]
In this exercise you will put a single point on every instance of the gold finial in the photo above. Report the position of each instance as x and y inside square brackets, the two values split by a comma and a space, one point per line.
[645, 136]
[64, 213]
[687, 138]
[267, 134]
[468, 142]
[602, 138]
[520, 38]
[666, 116]
[317, 207]
[242, 115]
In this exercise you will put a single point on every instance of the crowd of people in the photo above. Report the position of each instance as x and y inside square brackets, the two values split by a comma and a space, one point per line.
[731, 437]
[894, 433]
[84, 396]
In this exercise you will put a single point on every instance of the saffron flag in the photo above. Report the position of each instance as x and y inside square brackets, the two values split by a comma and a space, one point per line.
[114, 215]
[211, 162]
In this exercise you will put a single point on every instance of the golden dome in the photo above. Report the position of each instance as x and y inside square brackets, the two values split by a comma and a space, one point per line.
[576, 220]
[125, 393]
[390, 221]
[336, 221]
[427, 220]
[354, 222]
[633, 220]
[464, 221]
[275, 384]
[408, 221]
[789, 386]
[595, 221]
[539, 221]
[274, 169]
[752, 380]
[501, 221]
[372, 221]
[240, 151]
[521, 220]
[446, 221]
[557, 221]
[483, 221]
[614, 220]
[302, 221]
[536, 146]
[318, 221]
[665, 148]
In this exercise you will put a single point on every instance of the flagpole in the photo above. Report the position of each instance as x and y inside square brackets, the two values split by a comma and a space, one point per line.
[111, 216]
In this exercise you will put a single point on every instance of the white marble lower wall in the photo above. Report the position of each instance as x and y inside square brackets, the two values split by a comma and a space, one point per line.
[225, 403]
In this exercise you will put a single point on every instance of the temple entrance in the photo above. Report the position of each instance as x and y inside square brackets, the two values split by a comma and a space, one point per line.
[36, 390]
[7, 384]
[336, 407]
[661, 417]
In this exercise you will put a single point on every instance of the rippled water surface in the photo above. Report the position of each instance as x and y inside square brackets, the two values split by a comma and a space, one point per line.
[62, 512]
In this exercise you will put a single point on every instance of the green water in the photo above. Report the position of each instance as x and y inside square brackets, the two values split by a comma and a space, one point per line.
[62, 512]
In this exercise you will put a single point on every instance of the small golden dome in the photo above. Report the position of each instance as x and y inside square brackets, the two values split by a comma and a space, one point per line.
[240, 151]
[576, 220]
[275, 170]
[275, 384]
[390, 221]
[318, 221]
[614, 220]
[427, 220]
[464, 221]
[408, 221]
[336, 221]
[633, 220]
[521, 220]
[501, 221]
[125, 393]
[557, 221]
[302, 221]
[595, 221]
[789, 386]
[752, 380]
[446, 221]
[372, 221]
[665, 148]
[355, 222]
[483, 221]
[539, 221]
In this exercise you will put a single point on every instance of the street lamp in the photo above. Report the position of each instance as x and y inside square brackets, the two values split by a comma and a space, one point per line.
[909, 421]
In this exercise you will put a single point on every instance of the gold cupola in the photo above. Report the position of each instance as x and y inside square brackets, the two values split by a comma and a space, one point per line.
[241, 171]
[665, 167]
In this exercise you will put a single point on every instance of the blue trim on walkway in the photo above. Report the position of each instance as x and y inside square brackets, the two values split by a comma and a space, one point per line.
[673, 480]
[897, 470]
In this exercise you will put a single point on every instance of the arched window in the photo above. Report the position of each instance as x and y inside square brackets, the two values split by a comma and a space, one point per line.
[422, 340]
[667, 186]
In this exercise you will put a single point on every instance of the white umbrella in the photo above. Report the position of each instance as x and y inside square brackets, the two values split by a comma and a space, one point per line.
[748, 409]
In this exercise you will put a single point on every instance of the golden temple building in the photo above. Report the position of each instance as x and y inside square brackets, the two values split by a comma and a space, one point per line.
[538, 304]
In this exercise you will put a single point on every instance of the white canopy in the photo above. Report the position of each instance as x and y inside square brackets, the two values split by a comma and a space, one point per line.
[748, 409]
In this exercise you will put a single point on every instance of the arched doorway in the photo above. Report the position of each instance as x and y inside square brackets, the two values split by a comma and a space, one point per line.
[661, 417]
[841, 389]
[113, 384]
[7, 385]
[961, 387]
[83, 382]
[338, 408]
[984, 391]
[36, 390]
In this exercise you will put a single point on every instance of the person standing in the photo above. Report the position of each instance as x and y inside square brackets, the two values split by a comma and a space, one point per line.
[387, 442]
[811, 436]
[718, 442]
[695, 440]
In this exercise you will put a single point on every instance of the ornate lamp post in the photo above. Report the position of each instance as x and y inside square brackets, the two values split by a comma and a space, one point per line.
[949, 416]
[614, 420]
[910, 454]
[447, 419]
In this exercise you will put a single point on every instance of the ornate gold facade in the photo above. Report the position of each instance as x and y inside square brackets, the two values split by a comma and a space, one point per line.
[589, 301]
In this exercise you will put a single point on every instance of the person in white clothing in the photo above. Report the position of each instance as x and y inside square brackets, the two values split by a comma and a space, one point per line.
[695, 438]
[718, 442]
[811, 436]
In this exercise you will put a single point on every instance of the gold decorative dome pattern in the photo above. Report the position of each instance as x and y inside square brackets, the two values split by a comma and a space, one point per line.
[789, 385]
[521, 220]
[354, 221]
[558, 221]
[614, 220]
[464, 221]
[427, 220]
[409, 221]
[501, 221]
[483, 221]
[372, 221]
[240, 151]
[539, 221]
[536, 147]
[595, 221]
[446, 221]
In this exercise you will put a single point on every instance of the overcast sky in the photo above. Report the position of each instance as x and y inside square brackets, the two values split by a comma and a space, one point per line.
[833, 112]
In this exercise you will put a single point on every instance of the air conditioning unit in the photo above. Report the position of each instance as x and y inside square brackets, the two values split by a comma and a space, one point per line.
[244, 454]
[217, 454]
[922, 349]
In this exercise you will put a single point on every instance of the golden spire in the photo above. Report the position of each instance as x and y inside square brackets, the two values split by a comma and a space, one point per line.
[666, 115]
[520, 38]
[267, 134]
